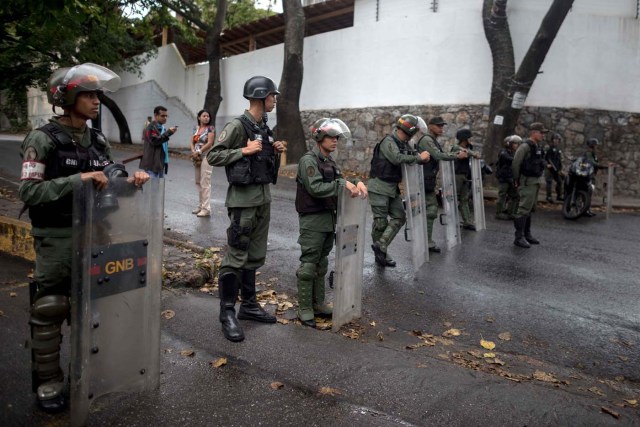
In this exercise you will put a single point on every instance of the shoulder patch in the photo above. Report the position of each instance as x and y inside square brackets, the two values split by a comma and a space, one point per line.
[311, 171]
[30, 154]
[223, 135]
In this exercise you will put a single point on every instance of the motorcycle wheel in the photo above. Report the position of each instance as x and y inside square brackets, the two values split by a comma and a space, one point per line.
[574, 207]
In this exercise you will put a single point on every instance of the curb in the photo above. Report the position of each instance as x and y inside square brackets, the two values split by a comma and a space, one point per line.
[16, 239]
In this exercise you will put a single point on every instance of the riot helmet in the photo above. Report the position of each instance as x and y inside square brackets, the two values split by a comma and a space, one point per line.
[259, 87]
[330, 127]
[408, 123]
[463, 135]
[66, 83]
[511, 140]
[592, 142]
[556, 136]
[422, 126]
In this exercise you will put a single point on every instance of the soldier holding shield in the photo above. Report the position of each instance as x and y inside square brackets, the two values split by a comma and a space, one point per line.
[55, 157]
[319, 182]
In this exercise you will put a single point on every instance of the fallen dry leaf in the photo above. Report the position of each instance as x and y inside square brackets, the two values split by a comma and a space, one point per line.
[497, 361]
[543, 376]
[596, 390]
[13, 294]
[204, 289]
[373, 323]
[168, 314]
[489, 345]
[451, 333]
[505, 336]
[283, 321]
[392, 329]
[611, 412]
[351, 333]
[276, 385]
[632, 402]
[490, 319]
[188, 353]
[380, 336]
[489, 355]
[221, 361]
[323, 325]
[421, 365]
[328, 391]
[475, 353]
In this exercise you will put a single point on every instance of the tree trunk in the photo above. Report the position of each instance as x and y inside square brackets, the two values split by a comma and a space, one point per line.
[506, 83]
[213, 98]
[289, 126]
[121, 120]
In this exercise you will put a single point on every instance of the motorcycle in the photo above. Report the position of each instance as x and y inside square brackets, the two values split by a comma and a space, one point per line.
[578, 188]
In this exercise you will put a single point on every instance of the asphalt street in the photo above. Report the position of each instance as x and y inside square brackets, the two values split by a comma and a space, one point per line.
[564, 317]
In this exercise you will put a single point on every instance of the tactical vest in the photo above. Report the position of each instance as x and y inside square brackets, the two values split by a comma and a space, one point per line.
[533, 163]
[305, 203]
[259, 168]
[554, 156]
[382, 168]
[504, 173]
[431, 168]
[67, 159]
[462, 166]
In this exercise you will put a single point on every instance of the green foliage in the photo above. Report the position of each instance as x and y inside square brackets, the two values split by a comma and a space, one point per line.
[39, 36]
[240, 12]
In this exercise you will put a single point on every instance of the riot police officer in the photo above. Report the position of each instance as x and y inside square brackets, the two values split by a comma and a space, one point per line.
[592, 157]
[553, 171]
[463, 176]
[251, 156]
[55, 156]
[528, 166]
[507, 202]
[429, 142]
[384, 194]
[319, 182]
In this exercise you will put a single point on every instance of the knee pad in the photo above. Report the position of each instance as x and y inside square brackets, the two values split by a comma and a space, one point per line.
[397, 223]
[307, 271]
[49, 310]
[380, 224]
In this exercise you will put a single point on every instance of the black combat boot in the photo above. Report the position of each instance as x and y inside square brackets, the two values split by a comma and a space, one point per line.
[249, 308]
[520, 241]
[527, 232]
[228, 286]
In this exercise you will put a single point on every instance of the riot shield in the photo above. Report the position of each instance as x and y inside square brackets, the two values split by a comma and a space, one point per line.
[450, 217]
[350, 232]
[609, 185]
[478, 194]
[117, 278]
[414, 205]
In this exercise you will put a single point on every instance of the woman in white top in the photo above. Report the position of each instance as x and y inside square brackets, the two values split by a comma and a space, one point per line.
[203, 138]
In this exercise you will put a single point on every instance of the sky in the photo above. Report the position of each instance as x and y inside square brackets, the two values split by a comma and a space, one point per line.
[264, 4]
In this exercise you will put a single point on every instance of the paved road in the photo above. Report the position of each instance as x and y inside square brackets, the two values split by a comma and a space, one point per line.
[570, 306]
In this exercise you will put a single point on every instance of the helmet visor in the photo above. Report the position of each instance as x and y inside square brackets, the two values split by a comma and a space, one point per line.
[90, 77]
[336, 128]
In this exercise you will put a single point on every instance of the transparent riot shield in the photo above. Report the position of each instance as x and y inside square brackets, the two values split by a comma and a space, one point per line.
[414, 205]
[609, 187]
[117, 277]
[450, 217]
[350, 232]
[478, 194]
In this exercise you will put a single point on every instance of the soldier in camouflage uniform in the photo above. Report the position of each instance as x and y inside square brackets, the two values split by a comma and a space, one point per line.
[319, 183]
[591, 157]
[463, 176]
[528, 166]
[429, 142]
[553, 171]
[507, 203]
[56, 156]
[384, 194]
[247, 150]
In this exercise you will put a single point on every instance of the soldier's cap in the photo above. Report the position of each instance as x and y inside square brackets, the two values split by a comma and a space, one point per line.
[538, 126]
[437, 120]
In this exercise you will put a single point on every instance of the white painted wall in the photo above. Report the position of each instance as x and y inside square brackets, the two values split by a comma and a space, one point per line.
[411, 55]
